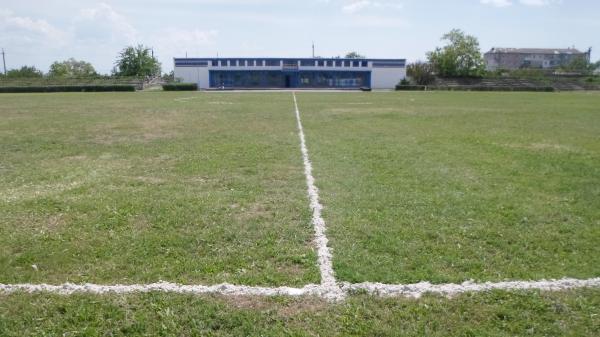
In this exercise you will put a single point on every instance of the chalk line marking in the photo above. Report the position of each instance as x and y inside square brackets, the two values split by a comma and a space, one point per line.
[166, 287]
[185, 99]
[415, 290]
[324, 254]
[452, 289]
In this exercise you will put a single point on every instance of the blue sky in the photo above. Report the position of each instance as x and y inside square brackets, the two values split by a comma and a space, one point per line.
[40, 32]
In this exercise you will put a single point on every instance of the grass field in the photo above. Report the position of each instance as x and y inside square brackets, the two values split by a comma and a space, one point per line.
[139, 188]
[204, 188]
[486, 314]
[452, 186]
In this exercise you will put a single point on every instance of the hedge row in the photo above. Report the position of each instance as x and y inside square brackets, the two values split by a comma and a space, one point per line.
[411, 87]
[68, 88]
[474, 88]
[180, 87]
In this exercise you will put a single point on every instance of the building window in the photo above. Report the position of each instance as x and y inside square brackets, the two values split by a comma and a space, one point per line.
[338, 63]
[330, 63]
[320, 63]
[273, 63]
[356, 64]
[215, 63]
[307, 63]
[364, 64]
[334, 79]
[290, 63]
[346, 63]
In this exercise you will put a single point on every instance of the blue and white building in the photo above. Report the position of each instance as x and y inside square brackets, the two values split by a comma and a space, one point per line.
[255, 73]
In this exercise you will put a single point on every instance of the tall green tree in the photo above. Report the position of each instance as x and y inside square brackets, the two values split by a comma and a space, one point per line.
[24, 72]
[72, 68]
[136, 61]
[355, 55]
[460, 57]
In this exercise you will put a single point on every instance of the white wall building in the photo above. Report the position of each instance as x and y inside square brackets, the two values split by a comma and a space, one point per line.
[290, 72]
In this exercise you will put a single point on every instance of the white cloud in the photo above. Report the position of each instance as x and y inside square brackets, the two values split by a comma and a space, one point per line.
[497, 3]
[103, 23]
[535, 3]
[177, 41]
[531, 3]
[354, 6]
[26, 30]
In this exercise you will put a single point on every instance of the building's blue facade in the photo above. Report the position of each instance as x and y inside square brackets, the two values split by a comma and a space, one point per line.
[257, 73]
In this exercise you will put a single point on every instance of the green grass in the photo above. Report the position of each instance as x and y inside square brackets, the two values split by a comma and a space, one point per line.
[446, 187]
[485, 314]
[137, 188]
[202, 188]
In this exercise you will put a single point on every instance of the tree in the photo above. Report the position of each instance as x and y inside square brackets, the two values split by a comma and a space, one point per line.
[170, 77]
[24, 72]
[420, 72]
[579, 65]
[72, 68]
[355, 55]
[136, 61]
[461, 56]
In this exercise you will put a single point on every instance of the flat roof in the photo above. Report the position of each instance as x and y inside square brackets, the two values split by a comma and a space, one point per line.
[287, 59]
[534, 51]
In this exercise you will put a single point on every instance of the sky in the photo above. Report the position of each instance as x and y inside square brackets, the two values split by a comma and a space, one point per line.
[40, 32]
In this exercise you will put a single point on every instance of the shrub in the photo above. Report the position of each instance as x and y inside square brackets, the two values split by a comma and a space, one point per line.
[68, 88]
[24, 72]
[491, 88]
[421, 73]
[180, 87]
[411, 87]
[472, 88]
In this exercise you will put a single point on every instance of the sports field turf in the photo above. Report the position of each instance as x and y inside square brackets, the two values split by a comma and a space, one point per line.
[485, 314]
[137, 188]
[447, 187]
[205, 188]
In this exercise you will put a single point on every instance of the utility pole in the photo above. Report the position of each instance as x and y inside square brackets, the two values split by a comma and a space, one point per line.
[4, 61]
[313, 49]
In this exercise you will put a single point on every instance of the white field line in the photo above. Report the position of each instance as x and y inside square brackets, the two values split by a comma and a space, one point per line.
[451, 289]
[324, 254]
[318, 290]
[185, 99]
[166, 287]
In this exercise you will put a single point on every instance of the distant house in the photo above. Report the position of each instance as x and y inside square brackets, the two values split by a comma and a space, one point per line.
[519, 58]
